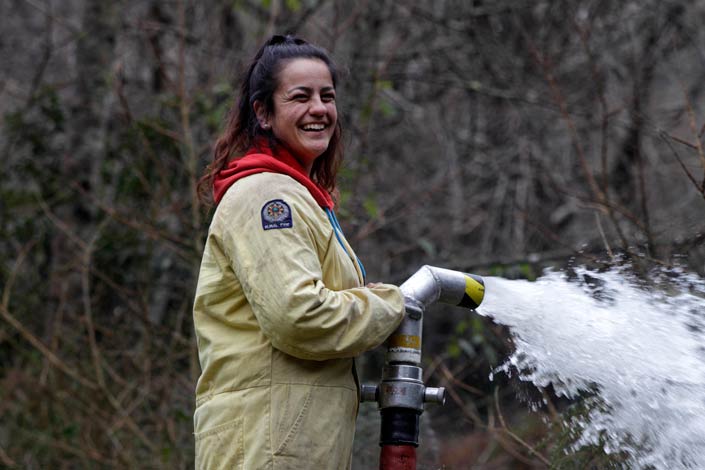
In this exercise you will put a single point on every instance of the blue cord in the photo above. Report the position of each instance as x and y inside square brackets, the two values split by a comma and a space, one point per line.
[338, 232]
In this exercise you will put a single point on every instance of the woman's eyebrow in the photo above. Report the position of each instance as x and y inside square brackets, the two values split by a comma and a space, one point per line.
[309, 89]
[300, 88]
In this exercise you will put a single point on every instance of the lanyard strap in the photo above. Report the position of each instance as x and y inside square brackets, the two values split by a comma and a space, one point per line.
[338, 233]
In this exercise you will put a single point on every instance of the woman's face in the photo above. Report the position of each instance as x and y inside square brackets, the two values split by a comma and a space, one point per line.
[304, 115]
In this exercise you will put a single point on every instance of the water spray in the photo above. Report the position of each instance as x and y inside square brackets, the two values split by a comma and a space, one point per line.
[401, 395]
[629, 352]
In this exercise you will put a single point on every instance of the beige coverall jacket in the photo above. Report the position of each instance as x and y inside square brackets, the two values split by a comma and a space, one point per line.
[279, 315]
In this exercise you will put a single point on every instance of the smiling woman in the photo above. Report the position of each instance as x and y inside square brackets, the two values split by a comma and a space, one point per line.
[304, 114]
[281, 307]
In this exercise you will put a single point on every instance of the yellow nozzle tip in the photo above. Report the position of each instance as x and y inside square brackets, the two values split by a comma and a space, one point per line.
[474, 292]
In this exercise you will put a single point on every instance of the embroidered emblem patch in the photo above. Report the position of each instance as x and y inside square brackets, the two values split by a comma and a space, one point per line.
[276, 214]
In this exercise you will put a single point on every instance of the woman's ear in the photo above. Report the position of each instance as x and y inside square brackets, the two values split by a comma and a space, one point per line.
[261, 113]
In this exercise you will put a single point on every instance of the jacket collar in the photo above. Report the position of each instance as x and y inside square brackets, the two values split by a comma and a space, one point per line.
[261, 159]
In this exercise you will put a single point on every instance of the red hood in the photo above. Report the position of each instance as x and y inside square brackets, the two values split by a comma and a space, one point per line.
[263, 160]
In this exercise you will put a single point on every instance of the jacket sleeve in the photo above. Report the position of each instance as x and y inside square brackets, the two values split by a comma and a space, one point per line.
[281, 275]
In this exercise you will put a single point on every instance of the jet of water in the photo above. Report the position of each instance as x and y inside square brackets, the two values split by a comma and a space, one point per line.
[636, 348]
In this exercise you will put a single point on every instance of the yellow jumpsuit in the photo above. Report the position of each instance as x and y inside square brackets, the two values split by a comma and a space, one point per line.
[280, 311]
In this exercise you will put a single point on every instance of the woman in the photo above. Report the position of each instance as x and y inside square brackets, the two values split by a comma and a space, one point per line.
[281, 307]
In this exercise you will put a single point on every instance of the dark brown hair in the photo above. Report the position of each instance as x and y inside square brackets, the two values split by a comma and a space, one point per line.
[243, 129]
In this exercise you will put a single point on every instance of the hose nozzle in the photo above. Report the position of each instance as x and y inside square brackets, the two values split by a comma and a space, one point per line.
[430, 284]
[402, 395]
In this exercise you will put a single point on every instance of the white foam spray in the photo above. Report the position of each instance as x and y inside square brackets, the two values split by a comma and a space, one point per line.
[638, 350]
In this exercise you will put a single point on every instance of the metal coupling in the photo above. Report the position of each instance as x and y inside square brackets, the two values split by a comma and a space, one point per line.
[435, 395]
[369, 393]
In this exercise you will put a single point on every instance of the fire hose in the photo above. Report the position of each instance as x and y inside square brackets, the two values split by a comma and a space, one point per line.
[401, 394]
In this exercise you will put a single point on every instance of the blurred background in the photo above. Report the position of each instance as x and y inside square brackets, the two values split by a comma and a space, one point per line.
[496, 137]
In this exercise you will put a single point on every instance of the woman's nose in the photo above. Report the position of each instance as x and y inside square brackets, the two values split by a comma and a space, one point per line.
[317, 107]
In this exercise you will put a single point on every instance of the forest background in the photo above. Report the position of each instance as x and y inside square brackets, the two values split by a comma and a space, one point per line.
[496, 137]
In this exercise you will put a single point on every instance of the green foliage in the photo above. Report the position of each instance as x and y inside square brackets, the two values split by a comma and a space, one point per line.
[386, 108]
[293, 5]
[366, 112]
[212, 106]
[153, 129]
[523, 270]
[427, 246]
[384, 84]
[563, 454]
[453, 349]
[346, 176]
[34, 126]
[370, 205]
[50, 107]
[378, 103]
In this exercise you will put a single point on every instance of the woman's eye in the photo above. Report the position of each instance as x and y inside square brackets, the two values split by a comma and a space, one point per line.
[328, 97]
[300, 97]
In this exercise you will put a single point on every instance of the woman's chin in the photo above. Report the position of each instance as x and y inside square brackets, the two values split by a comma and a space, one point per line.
[316, 150]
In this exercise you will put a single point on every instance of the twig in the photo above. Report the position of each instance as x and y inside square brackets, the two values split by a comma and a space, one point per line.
[605, 115]
[5, 459]
[469, 413]
[13, 274]
[549, 404]
[173, 135]
[600, 194]
[34, 341]
[551, 235]
[685, 169]
[151, 154]
[87, 310]
[131, 425]
[274, 8]
[89, 453]
[55, 329]
[55, 18]
[149, 230]
[46, 56]
[694, 129]
[560, 100]
[409, 204]
[511, 434]
[602, 234]
[508, 446]
[450, 377]
[343, 25]
[428, 371]
[184, 108]
[679, 139]
[60, 224]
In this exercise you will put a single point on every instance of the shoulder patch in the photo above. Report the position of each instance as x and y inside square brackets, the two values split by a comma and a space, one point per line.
[276, 214]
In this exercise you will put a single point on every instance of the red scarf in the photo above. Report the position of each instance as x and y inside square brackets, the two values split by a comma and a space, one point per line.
[262, 160]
